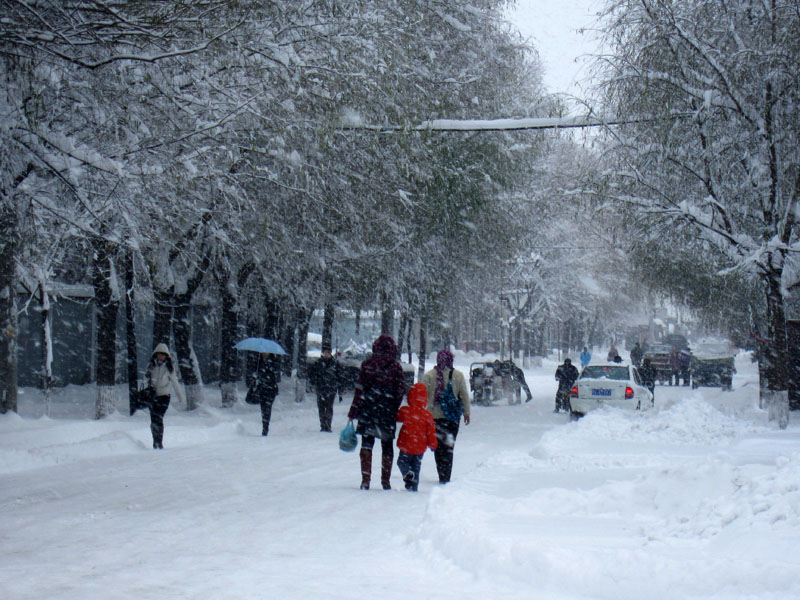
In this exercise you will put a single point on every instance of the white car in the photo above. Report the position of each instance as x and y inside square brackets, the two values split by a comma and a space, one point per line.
[611, 384]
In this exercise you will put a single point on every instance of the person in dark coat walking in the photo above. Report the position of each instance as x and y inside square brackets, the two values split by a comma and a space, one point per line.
[325, 377]
[379, 391]
[648, 374]
[566, 375]
[265, 387]
[636, 354]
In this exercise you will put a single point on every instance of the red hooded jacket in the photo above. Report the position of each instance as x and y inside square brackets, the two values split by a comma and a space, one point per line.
[418, 431]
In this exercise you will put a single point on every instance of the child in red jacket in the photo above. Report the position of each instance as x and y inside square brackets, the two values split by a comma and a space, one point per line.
[417, 434]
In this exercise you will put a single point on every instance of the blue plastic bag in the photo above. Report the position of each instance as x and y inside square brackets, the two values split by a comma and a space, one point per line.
[347, 438]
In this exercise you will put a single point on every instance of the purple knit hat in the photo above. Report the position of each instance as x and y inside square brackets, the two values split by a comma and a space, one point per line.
[444, 360]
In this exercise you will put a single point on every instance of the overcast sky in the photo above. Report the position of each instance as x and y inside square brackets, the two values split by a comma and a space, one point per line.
[554, 26]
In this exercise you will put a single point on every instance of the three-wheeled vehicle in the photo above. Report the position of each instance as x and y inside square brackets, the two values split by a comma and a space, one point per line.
[489, 381]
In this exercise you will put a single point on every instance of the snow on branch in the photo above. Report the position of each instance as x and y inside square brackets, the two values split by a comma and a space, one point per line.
[496, 124]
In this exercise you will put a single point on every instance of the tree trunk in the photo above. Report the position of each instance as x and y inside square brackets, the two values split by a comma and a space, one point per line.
[272, 322]
[287, 342]
[401, 335]
[106, 306]
[423, 351]
[228, 368]
[776, 350]
[47, 345]
[303, 324]
[229, 359]
[387, 318]
[132, 362]
[9, 247]
[182, 327]
[162, 316]
[327, 326]
[410, 337]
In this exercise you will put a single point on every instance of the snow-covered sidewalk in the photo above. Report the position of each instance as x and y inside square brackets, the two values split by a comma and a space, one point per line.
[699, 498]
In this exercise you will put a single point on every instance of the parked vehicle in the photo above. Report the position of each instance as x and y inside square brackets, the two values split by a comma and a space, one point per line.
[677, 341]
[612, 384]
[712, 365]
[350, 365]
[659, 355]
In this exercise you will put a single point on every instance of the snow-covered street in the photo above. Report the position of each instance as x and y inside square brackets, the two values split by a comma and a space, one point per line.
[699, 498]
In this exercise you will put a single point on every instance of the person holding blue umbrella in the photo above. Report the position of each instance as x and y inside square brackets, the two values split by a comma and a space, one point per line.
[265, 387]
[267, 375]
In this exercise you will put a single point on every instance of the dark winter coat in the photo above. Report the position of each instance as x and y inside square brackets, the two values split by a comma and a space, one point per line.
[266, 379]
[648, 373]
[325, 376]
[380, 389]
[418, 431]
[566, 375]
[636, 354]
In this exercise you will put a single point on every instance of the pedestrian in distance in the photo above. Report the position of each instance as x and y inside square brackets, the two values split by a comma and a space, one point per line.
[519, 376]
[585, 357]
[510, 373]
[648, 374]
[612, 352]
[685, 360]
[675, 366]
[436, 381]
[325, 377]
[265, 387]
[566, 375]
[417, 434]
[637, 354]
[379, 391]
[161, 376]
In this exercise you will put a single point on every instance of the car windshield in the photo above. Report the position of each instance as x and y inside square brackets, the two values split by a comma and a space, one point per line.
[661, 349]
[713, 351]
[605, 372]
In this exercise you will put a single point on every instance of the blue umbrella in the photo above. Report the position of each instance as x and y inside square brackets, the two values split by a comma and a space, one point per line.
[260, 345]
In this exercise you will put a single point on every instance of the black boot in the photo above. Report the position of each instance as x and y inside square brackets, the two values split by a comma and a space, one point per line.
[366, 467]
[386, 470]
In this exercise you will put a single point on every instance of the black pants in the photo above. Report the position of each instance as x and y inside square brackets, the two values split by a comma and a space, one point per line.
[387, 446]
[325, 406]
[446, 433]
[158, 408]
[266, 414]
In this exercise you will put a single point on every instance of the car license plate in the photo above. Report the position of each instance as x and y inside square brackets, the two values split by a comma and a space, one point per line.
[600, 392]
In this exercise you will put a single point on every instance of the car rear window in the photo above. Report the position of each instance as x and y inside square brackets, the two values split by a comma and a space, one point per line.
[605, 371]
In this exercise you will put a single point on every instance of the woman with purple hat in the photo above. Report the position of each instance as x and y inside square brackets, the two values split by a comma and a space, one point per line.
[437, 380]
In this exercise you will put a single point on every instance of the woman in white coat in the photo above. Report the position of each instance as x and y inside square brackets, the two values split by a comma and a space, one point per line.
[160, 376]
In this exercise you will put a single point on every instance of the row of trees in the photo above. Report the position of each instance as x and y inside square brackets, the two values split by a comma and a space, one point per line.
[710, 164]
[212, 148]
[197, 147]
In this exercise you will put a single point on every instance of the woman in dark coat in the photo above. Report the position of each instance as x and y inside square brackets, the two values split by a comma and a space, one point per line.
[265, 387]
[380, 390]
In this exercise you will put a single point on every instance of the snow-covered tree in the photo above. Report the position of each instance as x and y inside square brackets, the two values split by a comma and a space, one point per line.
[716, 85]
